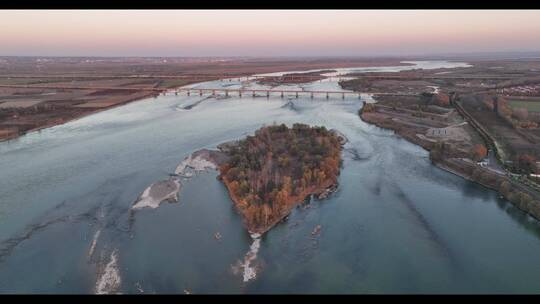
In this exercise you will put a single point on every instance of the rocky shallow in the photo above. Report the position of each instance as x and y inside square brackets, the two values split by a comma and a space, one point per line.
[168, 190]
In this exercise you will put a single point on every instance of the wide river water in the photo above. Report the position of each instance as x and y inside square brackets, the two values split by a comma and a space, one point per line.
[396, 225]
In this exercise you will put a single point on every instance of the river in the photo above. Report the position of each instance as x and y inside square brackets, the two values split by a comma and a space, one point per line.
[397, 224]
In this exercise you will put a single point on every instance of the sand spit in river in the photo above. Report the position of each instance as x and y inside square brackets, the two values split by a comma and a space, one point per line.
[109, 279]
[167, 190]
[201, 160]
[247, 265]
[158, 192]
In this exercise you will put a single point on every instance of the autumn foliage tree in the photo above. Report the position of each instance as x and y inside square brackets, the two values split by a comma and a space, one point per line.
[441, 99]
[478, 152]
[503, 110]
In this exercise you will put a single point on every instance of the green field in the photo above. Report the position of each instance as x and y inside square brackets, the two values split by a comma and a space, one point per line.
[532, 106]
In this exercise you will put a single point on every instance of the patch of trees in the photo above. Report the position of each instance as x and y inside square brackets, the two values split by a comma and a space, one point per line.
[269, 171]
[478, 152]
[357, 83]
[503, 110]
[525, 164]
[521, 199]
[516, 117]
[523, 120]
[441, 99]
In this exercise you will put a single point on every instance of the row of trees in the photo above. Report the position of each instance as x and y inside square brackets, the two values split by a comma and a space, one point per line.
[517, 117]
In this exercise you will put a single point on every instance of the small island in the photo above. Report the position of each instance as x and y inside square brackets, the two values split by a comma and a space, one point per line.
[268, 174]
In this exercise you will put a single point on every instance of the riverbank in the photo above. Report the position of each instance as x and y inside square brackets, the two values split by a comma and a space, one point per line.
[451, 154]
[16, 134]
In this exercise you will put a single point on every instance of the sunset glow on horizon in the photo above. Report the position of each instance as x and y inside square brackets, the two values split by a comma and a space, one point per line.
[265, 33]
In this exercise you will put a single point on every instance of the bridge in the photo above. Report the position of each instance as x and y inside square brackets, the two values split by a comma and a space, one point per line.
[281, 93]
[213, 91]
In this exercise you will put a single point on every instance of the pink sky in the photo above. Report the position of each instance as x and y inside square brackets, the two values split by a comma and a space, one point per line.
[265, 33]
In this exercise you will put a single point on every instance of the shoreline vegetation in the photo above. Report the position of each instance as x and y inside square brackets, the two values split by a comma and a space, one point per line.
[453, 143]
[270, 173]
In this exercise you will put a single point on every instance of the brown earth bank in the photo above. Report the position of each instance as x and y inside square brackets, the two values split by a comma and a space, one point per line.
[17, 119]
[270, 173]
[453, 144]
[23, 110]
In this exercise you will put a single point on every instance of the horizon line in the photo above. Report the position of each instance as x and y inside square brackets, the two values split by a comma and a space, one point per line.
[287, 56]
